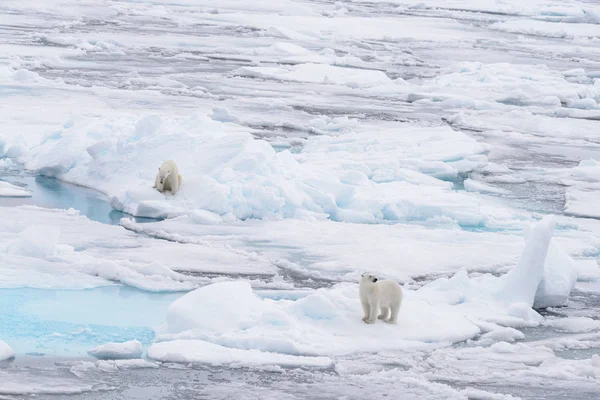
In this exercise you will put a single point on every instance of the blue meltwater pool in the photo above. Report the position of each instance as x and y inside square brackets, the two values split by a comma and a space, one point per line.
[70, 322]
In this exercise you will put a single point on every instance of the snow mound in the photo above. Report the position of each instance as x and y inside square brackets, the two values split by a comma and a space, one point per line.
[6, 352]
[214, 308]
[198, 351]
[9, 190]
[118, 351]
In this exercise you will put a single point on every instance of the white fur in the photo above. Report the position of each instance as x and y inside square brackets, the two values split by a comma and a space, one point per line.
[167, 178]
[376, 295]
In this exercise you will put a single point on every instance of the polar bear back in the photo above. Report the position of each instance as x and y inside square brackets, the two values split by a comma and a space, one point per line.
[389, 292]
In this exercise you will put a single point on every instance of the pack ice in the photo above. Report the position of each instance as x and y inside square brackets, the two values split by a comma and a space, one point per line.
[398, 175]
[206, 324]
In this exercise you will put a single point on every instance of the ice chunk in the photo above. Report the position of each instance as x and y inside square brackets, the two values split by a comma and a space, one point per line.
[198, 351]
[476, 186]
[9, 190]
[223, 115]
[205, 217]
[560, 276]
[583, 194]
[583, 202]
[587, 270]
[584, 104]
[521, 283]
[118, 351]
[573, 324]
[16, 151]
[6, 352]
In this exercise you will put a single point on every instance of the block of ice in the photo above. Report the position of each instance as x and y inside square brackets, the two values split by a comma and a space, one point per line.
[520, 285]
[476, 186]
[118, 351]
[9, 190]
[6, 352]
[560, 276]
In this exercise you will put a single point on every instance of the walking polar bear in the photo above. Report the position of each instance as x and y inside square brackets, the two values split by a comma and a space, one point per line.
[167, 178]
[376, 295]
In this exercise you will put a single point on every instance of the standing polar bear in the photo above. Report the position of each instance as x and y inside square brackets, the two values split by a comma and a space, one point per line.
[167, 178]
[379, 294]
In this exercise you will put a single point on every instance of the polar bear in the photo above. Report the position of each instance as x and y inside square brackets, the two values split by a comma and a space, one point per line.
[167, 178]
[379, 294]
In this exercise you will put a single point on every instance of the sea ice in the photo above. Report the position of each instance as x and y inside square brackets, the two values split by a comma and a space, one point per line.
[325, 322]
[118, 351]
[476, 186]
[9, 190]
[319, 73]
[45, 248]
[198, 351]
[392, 174]
[583, 194]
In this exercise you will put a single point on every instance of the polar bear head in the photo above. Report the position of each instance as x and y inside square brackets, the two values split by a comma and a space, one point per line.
[366, 277]
[163, 172]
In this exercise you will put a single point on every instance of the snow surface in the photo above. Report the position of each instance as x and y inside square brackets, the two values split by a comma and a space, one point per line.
[117, 351]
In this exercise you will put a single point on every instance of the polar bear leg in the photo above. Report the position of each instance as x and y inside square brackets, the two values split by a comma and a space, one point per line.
[394, 315]
[384, 313]
[175, 185]
[373, 310]
[365, 306]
